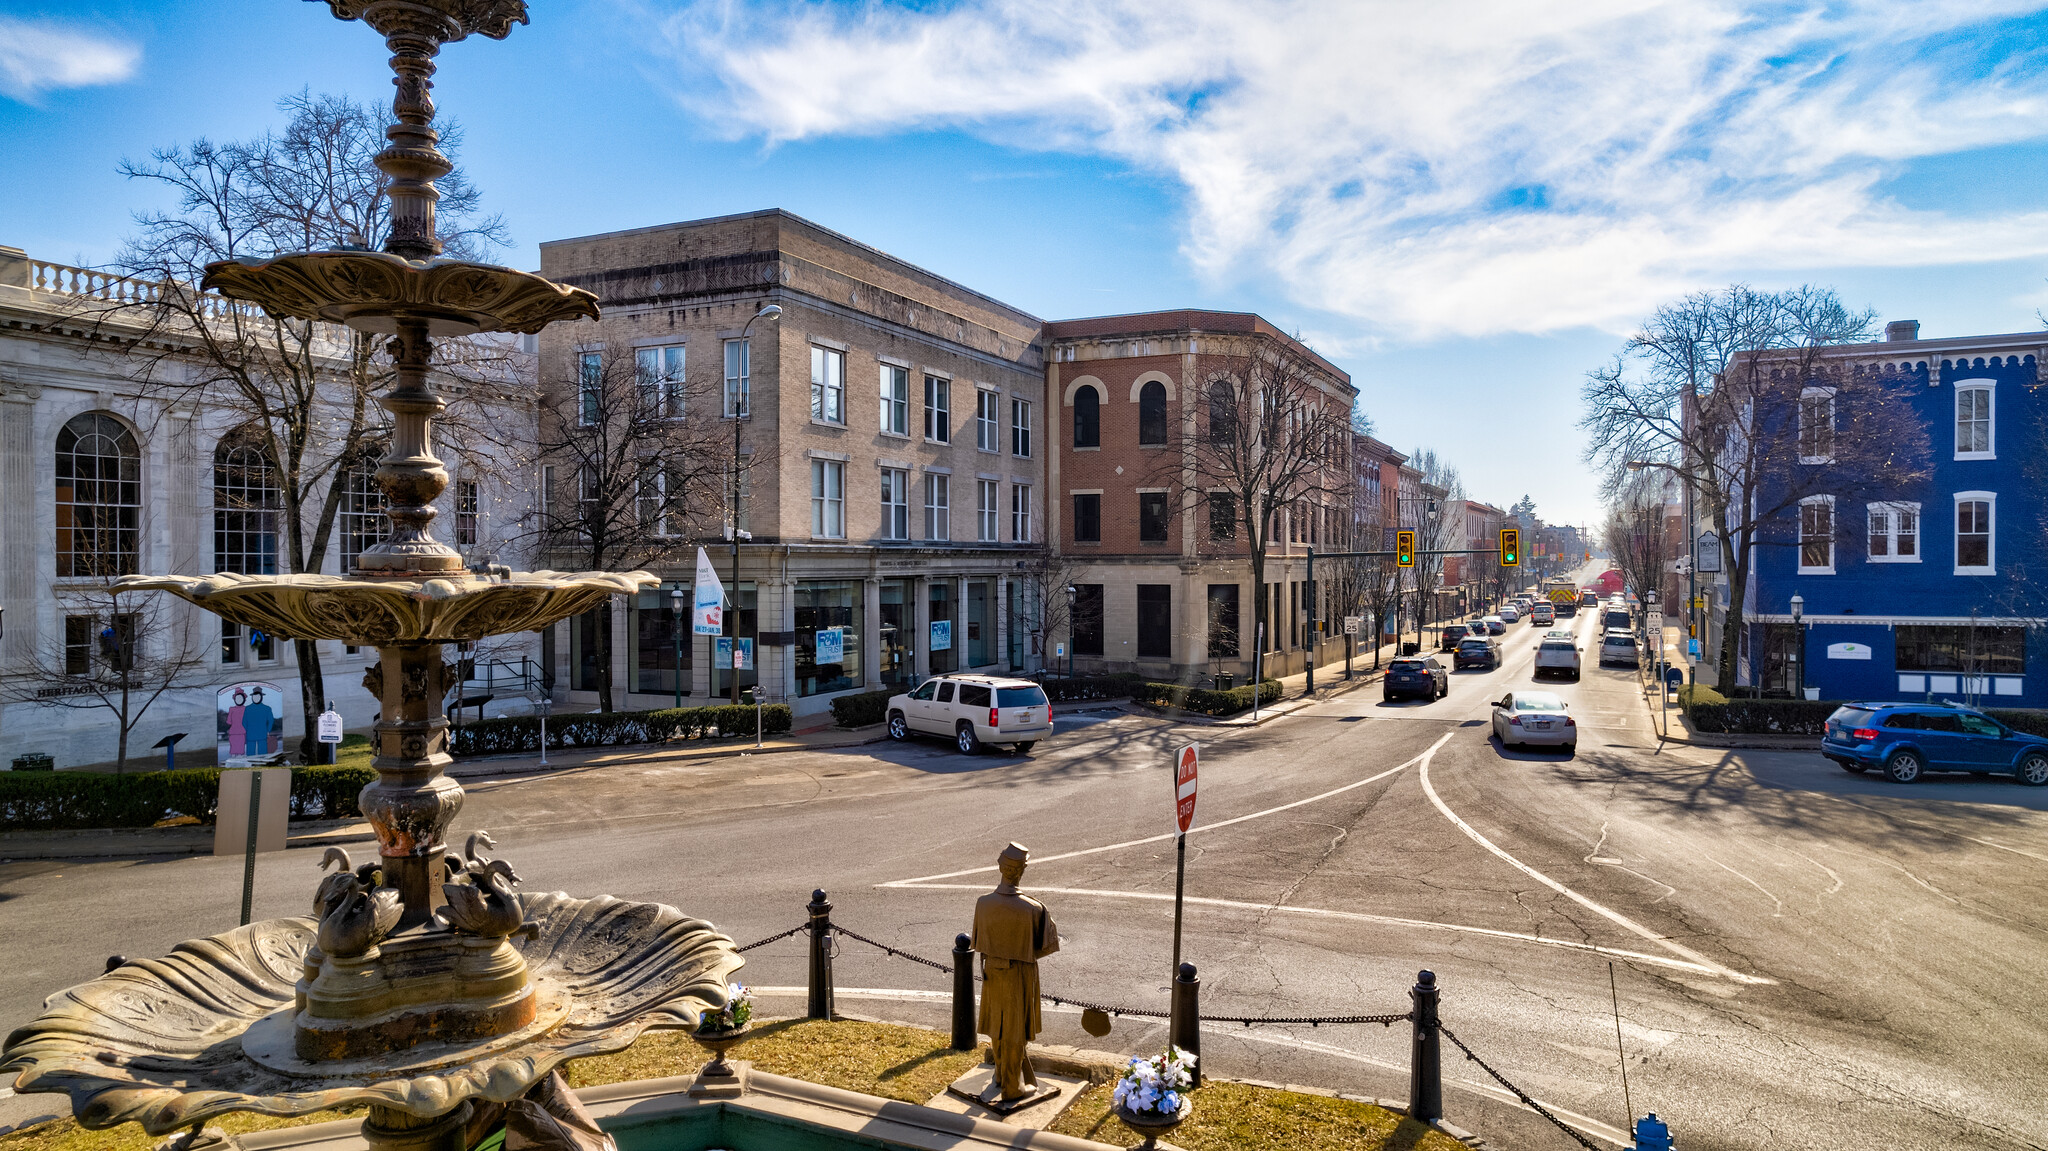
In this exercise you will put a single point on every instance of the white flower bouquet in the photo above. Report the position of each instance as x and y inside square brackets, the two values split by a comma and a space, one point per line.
[1156, 1086]
[739, 1009]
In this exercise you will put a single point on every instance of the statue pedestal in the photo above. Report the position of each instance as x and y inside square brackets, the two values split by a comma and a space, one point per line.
[976, 1094]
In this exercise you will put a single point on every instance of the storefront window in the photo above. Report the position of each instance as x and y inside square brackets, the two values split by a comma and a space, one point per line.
[654, 644]
[747, 620]
[981, 625]
[828, 636]
[897, 634]
[939, 627]
[1023, 623]
[585, 650]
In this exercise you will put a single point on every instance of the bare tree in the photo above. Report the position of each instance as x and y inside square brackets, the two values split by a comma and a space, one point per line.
[1046, 576]
[646, 468]
[1437, 529]
[1731, 391]
[1635, 535]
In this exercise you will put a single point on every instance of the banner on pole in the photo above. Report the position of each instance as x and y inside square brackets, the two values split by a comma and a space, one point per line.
[1185, 763]
[707, 616]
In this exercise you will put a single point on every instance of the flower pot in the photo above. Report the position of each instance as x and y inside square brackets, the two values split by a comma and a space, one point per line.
[1154, 1125]
[718, 1043]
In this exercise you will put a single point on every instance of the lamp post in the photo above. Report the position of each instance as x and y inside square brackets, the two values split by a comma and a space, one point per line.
[1799, 645]
[1072, 594]
[675, 609]
[742, 405]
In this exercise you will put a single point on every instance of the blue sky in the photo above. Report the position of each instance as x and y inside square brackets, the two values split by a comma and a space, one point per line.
[1464, 204]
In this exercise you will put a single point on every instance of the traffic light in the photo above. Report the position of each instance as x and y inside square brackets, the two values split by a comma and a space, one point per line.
[1511, 547]
[1404, 549]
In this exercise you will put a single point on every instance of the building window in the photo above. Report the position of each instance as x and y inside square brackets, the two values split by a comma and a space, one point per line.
[938, 409]
[1020, 513]
[659, 372]
[1816, 425]
[1152, 414]
[739, 384]
[1223, 641]
[1895, 533]
[235, 642]
[99, 497]
[77, 645]
[828, 385]
[1087, 419]
[468, 512]
[1976, 553]
[1222, 412]
[246, 499]
[938, 511]
[829, 607]
[1974, 424]
[1152, 517]
[1088, 518]
[828, 499]
[590, 509]
[361, 516]
[1961, 648]
[1086, 626]
[895, 400]
[895, 504]
[659, 492]
[589, 646]
[1817, 535]
[589, 387]
[1020, 428]
[1155, 621]
[1222, 516]
[988, 435]
[986, 509]
[657, 659]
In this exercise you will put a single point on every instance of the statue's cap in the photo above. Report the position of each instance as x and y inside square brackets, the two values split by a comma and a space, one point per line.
[1016, 851]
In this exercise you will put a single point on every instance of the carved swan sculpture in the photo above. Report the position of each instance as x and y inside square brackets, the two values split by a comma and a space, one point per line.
[486, 906]
[471, 861]
[355, 913]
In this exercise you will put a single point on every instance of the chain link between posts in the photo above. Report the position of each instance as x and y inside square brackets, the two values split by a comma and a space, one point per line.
[1538, 1108]
[773, 938]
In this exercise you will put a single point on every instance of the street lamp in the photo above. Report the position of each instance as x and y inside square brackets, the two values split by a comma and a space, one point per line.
[675, 608]
[740, 400]
[1072, 593]
[1799, 644]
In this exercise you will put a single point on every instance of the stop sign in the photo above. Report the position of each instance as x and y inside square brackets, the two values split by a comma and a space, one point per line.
[1184, 764]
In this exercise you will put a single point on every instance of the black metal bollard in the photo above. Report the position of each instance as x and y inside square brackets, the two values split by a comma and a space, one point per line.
[1186, 1025]
[966, 1028]
[821, 955]
[1425, 1066]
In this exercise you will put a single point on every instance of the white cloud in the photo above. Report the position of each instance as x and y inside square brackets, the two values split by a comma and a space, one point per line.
[1452, 168]
[37, 56]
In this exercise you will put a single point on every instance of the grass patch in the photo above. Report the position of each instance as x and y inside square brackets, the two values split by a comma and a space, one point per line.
[354, 751]
[1240, 1117]
[907, 1063]
[67, 1135]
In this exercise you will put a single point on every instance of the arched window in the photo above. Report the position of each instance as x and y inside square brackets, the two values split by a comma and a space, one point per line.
[1087, 418]
[1152, 414]
[1222, 412]
[246, 499]
[99, 497]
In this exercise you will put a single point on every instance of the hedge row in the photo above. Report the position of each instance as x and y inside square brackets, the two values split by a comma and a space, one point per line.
[87, 799]
[1708, 712]
[869, 707]
[1082, 689]
[1205, 701]
[514, 734]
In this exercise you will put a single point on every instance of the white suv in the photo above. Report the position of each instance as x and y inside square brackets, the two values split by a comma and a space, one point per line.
[974, 710]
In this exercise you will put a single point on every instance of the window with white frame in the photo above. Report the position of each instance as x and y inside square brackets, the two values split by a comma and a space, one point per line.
[1020, 428]
[1894, 533]
[738, 385]
[360, 520]
[895, 504]
[828, 499]
[895, 400]
[589, 501]
[938, 409]
[468, 513]
[988, 435]
[1816, 425]
[589, 387]
[828, 385]
[1020, 513]
[1976, 532]
[985, 511]
[1974, 424]
[659, 372]
[658, 491]
[1817, 535]
[938, 512]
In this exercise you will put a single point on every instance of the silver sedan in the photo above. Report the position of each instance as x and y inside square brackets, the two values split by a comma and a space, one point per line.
[1523, 718]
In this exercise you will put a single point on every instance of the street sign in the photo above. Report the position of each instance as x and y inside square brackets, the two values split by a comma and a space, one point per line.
[1059, 651]
[329, 727]
[1655, 623]
[1185, 762]
[1353, 624]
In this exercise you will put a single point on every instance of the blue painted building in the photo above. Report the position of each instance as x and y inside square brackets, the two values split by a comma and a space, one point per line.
[1933, 590]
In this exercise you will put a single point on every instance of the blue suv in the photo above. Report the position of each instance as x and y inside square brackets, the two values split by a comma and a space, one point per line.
[1907, 740]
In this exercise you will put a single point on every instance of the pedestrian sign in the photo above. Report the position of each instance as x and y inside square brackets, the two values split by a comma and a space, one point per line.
[1185, 763]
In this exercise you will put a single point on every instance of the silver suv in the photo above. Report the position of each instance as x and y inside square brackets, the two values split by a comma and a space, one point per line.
[974, 710]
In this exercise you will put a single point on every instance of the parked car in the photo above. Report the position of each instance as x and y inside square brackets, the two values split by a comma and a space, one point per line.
[1556, 656]
[1541, 615]
[1907, 740]
[1477, 651]
[1419, 675]
[974, 710]
[1495, 625]
[1522, 718]
[1453, 632]
[1509, 613]
[1618, 647]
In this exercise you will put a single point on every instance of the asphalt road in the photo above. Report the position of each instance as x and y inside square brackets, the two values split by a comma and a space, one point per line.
[1802, 958]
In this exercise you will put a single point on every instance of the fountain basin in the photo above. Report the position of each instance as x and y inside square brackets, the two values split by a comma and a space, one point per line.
[369, 291]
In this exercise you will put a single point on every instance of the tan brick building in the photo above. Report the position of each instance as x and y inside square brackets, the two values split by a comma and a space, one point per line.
[892, 433]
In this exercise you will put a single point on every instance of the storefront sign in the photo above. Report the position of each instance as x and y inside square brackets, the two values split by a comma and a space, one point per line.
[1848, 651]
[942, 635]
[832, 645]
[707, 614]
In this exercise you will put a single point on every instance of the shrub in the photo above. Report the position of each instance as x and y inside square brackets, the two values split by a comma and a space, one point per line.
[868, 707]
[82, 799]
[1081, 689]
[1700, 693]
[1763, 716]
[513, 734]
[1204, 701]
[2030, 721]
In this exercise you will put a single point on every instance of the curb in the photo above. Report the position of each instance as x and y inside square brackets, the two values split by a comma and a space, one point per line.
[482, 771]
[130, 842]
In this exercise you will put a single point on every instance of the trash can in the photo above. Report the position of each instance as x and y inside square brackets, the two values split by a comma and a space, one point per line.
[1226, 681]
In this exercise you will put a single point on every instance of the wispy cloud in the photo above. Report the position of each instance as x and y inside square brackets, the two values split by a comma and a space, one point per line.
[1460, 167]
[37, 56]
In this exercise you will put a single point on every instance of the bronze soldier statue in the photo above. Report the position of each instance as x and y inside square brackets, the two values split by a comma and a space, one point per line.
[1013, 932]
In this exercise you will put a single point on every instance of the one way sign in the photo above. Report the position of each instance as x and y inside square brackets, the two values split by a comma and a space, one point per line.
[1185, 762]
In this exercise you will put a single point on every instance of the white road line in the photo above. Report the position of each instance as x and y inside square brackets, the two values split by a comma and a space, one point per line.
[1590, 1126]
[1598, 909]
[924, 880]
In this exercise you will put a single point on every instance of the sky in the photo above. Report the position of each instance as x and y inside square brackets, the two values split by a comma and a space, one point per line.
[1466, 205]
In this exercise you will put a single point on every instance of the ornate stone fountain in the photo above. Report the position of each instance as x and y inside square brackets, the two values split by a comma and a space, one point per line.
[421, 981]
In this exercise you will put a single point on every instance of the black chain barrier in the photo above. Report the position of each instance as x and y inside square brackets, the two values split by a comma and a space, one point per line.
[773, 938]
[893, 952]
[1538, 1108]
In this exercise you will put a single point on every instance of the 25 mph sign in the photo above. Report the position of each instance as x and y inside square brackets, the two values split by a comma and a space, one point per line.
[1184, 764]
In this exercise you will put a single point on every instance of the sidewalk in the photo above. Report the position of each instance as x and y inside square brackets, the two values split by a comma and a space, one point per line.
[817, 738]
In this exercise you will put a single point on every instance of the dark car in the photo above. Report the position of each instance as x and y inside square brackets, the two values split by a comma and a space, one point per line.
[1417, 675]
[1453, 632]
[1477, 651]
[1907, 740]
[1566, 609]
